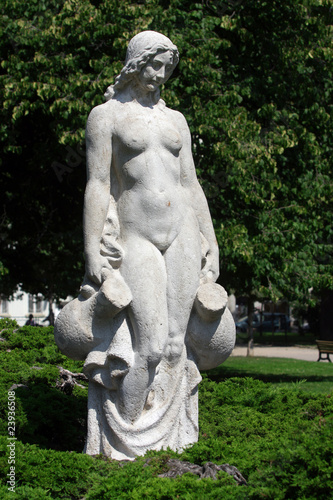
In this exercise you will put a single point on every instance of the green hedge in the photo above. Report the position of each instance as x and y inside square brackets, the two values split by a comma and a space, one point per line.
[280, 438]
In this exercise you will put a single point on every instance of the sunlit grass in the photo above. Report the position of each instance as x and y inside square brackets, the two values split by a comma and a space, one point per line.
[314, 377]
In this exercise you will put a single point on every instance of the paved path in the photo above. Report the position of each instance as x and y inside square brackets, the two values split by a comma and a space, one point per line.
[305, 353]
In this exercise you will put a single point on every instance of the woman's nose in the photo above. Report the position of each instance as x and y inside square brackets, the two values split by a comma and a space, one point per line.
[161, 73]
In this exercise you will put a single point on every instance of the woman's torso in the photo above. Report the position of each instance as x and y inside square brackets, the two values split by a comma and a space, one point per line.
[145, 172]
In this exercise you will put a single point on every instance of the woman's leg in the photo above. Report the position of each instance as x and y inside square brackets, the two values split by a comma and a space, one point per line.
[183, 265]
[143, 269]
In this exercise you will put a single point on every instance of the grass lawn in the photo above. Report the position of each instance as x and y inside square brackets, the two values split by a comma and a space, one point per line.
[313, 377]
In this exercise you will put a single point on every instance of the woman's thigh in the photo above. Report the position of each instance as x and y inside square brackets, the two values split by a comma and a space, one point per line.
[183, 265]
[144, 271]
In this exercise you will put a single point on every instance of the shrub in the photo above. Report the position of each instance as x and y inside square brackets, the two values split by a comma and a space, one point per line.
[278, 437]
[7, 323]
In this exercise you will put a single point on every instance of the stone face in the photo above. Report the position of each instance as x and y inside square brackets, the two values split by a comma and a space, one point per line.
[149, 314]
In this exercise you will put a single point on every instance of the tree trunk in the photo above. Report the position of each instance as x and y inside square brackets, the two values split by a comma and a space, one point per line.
[51, 313]
[250, 310]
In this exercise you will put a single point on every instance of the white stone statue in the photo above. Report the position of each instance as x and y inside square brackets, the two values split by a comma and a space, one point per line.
[149, 314]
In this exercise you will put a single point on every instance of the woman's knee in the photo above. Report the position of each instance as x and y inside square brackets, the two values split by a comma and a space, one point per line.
[155, 356]
[151, 347]
[174, 348]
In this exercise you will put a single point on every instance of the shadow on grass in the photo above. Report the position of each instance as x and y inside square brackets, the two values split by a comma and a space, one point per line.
[280, 339]
[50, 418]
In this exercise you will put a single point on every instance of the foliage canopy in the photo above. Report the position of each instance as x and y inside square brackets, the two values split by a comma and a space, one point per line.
[255, 84]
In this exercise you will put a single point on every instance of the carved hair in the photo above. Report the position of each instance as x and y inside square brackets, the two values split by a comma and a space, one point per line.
[141, 49]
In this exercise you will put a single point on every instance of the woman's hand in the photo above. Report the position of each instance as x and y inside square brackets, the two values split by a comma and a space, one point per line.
[97, 268]
[211, 270]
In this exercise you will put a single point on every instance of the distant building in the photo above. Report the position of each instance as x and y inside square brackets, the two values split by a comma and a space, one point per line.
[23, 304]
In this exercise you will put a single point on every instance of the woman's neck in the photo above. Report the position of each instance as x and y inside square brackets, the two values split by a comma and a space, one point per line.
[145, 98]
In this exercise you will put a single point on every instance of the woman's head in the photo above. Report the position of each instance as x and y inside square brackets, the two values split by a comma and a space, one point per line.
[141, 49]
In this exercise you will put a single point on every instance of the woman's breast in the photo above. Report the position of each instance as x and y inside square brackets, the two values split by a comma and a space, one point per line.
[146, 162]
[137, 135]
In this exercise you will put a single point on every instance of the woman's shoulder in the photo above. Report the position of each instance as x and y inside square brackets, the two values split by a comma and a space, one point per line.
[102, 116]
[103, 109]
[177, 117]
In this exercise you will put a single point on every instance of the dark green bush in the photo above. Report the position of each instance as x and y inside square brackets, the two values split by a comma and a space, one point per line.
[29, 337]
[278, 437]
[7, 323]
[29, 359]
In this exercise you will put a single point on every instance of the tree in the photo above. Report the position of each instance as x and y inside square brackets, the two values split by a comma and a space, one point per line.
[55, 67]
[258, 77]
[254, 82]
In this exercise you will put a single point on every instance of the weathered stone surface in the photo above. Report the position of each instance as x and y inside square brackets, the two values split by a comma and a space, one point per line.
[149, 313]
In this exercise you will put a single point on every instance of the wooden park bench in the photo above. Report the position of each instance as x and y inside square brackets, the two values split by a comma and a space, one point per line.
[325, 347]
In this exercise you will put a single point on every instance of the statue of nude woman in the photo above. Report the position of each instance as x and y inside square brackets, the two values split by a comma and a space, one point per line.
[148, 238]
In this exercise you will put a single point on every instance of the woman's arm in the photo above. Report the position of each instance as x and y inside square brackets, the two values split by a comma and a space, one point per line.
[97, 194]
[198, 201]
